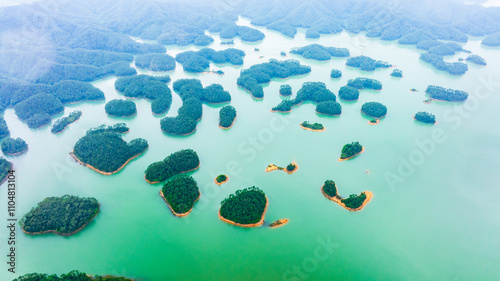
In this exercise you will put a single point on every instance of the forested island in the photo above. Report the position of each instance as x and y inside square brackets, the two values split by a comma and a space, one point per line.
[315, 92]
[65, 215]
[348, 93]
[374, 109]
[397, 73]
[351, 150]
[476, 59]
[227, 115]
[121, 108]
[425, 117]
[152, 88]
[103, 150]
[13, 147]
[4, 130]
[366, 63]
[181, 193]
[312, 127]
[290, 168]
[250, 79]
[5, 167]
[199, 61]
[246, 207]
[182, 161]
[155, 62]
[330, 108]
[319, 52]
[285, 90]
[352, 203]
[74, 275]
[443, 94]
[61, 124]
[228, 30]
[220, 179]
[437, 61]
[38, 109]
[336, 73]
[361, 83]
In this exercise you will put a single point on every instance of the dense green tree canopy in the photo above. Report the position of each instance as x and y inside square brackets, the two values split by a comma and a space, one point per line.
[38, 104]
[121, 108]
[176, 163]
[425, 117]
[104, 149]
[245, 206]
[314, 126]
[148, 87]
[476, 59]
[330, 189]
[319, 52]
[440, 93]
[437, 61]
[227, 114]
[365, 83]
[374, 109]
[354, 201]
[397, 73]
[155, 62]
[366, 63]
[199, 61]
[285, 90]
[335, 73]
[63, 215]
[5, 167]
[348, 93]
[63, 122]
[12, 146]
[38, 120]
[351, 149]
[4, 130]
[73, 276]
[329, 108]
[181, 193]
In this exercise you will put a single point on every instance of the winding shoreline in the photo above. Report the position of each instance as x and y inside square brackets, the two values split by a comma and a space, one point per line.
[309, 129]
[64, 234]
[67, 125]
[17, 153]
[101, 172]
[259, 223]
[350, 157]
[155, 182]
[177, 214]
[336, 199]
[250, 93]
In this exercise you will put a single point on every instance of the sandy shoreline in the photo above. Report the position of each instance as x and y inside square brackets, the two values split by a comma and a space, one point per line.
[336, 199]
[362, 149]
[226, 128]
[309, 129]
[371, 123]
[272, 167]
[60, 132]
[279, 223]
[17, 153]
[259, 223]
[64, 234]
[219, 183]
[177, 214]
[101, 172]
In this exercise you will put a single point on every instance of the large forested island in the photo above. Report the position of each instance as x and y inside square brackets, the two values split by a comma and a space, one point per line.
[319, 52]
[181, 193]
[103, 150]
[330, 108]
[361, 83]
[351, 150]
[61, 124]
[250, 79]
[438, 62]
[5, 167]
[64, 215]
[352, 203]
[72, 275]
[315, 92]
[199, 61]
[374, 109]
[246, 207]
[121, 108]
[443, 94]
[149, 87]
[366, 63]
[12, 146]
[227, 115]
[155, 62]
[176, 163]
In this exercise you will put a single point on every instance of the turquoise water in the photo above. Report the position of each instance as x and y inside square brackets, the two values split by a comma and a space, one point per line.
[433, 220]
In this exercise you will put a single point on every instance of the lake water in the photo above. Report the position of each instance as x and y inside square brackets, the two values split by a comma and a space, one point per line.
[433, 219]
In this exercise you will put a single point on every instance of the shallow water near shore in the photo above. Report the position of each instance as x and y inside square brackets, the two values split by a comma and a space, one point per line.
[434, 187]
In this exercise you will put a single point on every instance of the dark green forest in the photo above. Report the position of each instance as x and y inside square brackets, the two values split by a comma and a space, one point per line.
[181, 193]
[38, 104]
[354, 201]
[336, 73]
[64, 214]
[315, 92]
[330, 189]
[120, 108]
[5, 167]
[71, 276]
[350, 150]
[4, 130]
[104, 149]
[199, 61]
[397, 73]
[155, 62]
[285, 90]
[12, 146]
[437, 61]
[313, 126]
[319, 52]
[440, 93]
[329, 108]
[227, 114]
[476, 59]
[366, 63]
[63, 122]
[176, 163]
[361, 83]
[374, 109]
[245, 206]
[38, 120]
[228, 30]
[348, 93]
[425, 117]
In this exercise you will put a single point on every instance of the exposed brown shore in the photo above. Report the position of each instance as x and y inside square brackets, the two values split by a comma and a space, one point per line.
[278, 223]
[226, 128]
[374, 123]
[219, 183]
[155, 182]
[101, 172]
[60, 233]
[309, 129]
[259, 223]
[327, 114]
[362, 149]
[250, 93]
[337, 199]
[68, 125]
[173, 212]
[17, 153]
[273, 167]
